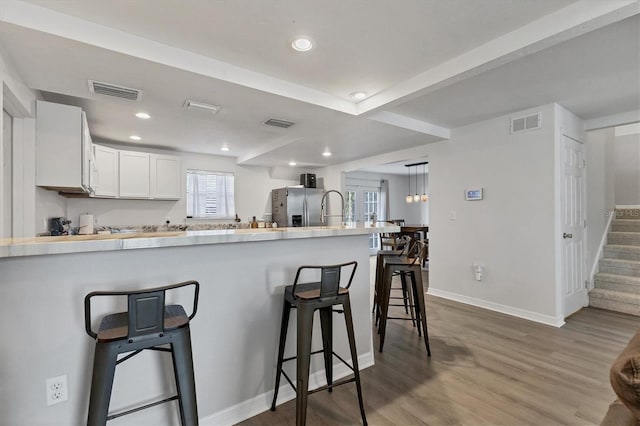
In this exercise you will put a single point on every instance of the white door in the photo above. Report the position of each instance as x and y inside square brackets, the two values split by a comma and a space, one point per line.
[361, 202]
[573, 205]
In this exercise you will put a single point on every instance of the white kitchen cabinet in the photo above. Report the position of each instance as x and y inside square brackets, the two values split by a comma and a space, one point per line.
[166, 177]
[134, 176]
[63, 148]
[106, 165]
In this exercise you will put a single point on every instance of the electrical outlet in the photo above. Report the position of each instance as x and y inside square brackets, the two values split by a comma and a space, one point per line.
[57, 390]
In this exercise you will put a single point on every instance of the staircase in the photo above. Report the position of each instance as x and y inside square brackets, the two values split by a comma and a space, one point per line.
[617, 285]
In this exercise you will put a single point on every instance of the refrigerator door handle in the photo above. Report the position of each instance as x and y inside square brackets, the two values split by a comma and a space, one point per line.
[305, 213]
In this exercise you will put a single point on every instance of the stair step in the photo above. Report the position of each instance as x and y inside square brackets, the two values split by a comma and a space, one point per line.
[624, 238]
[633, 214]
[612, 300]
[625, 225]
[622, 252]
[620, 267]
[617, 282]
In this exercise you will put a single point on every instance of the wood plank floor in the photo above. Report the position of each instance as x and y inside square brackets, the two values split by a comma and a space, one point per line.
[486, 369]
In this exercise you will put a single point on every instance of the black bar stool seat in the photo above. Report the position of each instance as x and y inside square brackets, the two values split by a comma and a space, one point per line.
[307, 298]
[148, 324]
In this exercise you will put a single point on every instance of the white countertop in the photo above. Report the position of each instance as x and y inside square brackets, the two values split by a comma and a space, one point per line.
[108, 242]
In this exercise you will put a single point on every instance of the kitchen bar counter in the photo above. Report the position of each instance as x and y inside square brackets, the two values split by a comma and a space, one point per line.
[141, 240]
[242, 275]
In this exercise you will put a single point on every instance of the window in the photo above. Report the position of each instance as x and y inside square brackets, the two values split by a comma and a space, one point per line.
[210, 195]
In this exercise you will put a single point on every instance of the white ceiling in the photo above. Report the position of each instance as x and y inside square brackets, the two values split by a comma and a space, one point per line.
[428, 66]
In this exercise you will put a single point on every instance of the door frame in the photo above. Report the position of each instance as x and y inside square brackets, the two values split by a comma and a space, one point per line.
[360, 189]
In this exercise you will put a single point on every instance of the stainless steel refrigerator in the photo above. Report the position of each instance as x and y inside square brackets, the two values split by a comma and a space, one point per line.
[294, 206]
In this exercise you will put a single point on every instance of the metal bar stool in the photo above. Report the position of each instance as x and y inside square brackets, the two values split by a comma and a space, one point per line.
[409, 267]
[404, 247]
[148, 324]
[307, 298]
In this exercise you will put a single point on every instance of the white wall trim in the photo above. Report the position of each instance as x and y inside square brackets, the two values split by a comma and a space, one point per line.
[630, 206]
[603, 242]
[557, 321]
[262, 402]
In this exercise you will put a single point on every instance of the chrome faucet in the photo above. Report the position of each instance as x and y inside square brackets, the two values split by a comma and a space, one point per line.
[323, 216]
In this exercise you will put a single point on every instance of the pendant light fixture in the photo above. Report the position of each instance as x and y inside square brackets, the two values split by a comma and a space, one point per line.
[424, 197]
[416, 197]
[409, 198]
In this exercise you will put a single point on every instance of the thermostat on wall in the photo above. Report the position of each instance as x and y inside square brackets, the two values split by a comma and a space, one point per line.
[473, 194]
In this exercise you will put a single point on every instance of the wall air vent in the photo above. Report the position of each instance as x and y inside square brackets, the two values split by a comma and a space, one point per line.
[188, 104]
[529, 122]
[108, 89]
[279, 123]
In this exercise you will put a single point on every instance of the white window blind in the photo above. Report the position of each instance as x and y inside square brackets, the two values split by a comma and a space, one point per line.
[210, 195]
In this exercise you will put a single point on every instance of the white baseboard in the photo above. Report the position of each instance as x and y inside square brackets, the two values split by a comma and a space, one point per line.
[630, 206]
[261, 403]
[497, 307]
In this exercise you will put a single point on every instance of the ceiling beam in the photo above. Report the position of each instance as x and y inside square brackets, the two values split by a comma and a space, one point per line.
[51, 22]
[564, 24]
[405, 122]
[614, 120]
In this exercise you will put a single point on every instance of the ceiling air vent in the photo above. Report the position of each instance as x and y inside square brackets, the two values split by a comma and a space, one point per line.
[115, 91]
[529, 122]
[279, 123]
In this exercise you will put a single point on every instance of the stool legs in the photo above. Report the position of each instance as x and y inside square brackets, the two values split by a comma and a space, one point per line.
[326, 325]
[387, 275]
[286, 312]
[104, 368]
[418, 292]
[305, 325]
[354, 356]
[185, 381]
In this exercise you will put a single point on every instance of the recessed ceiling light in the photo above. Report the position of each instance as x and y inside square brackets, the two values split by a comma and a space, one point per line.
[326, 153]
[302, 44]
[358, 96]
[135, 138]
[224, 148]
[292, 163]
[143, 115]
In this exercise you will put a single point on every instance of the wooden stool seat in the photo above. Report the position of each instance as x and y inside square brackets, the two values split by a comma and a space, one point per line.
[116, 326]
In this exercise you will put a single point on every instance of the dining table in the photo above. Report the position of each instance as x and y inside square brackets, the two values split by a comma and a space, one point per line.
[412, 230]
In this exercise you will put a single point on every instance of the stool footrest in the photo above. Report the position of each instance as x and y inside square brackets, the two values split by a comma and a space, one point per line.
[333, 385]
[142, 407]
[338, 383]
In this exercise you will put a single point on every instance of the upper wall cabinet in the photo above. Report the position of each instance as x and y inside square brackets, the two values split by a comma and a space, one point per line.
[107, 180]
[166, 178]
[134, 174]
[63, 148]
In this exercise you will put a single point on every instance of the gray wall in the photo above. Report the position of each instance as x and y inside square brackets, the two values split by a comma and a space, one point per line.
[601, 187]
[627, 170]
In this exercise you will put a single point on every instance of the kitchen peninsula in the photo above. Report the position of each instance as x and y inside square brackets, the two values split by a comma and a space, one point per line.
[242, 274]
